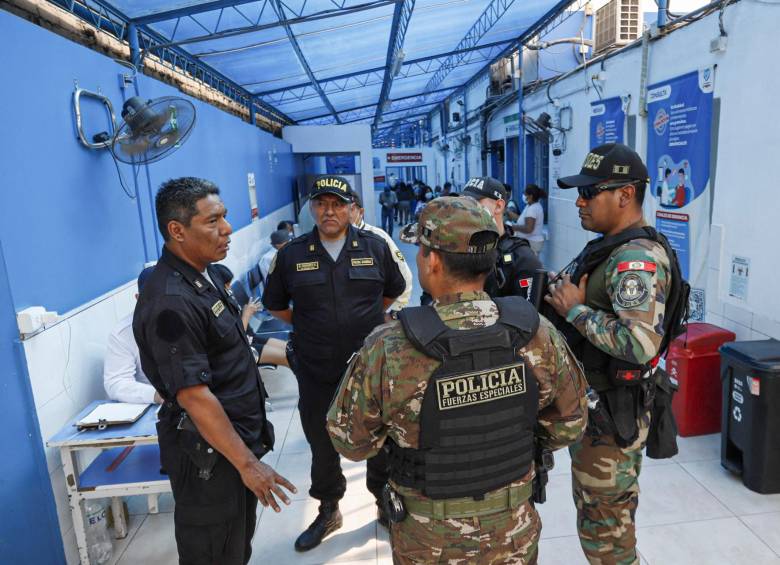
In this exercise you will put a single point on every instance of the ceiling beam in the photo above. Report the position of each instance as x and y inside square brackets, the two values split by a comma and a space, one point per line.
[487, 19]
[401, 18]
[298, 19]
[277, 5]
[174, 13]
[379, 69]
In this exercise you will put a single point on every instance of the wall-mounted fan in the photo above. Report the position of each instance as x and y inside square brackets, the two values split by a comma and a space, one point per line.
[151, 130]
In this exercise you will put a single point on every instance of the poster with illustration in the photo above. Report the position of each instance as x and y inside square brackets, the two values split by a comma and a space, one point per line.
[679, 112]
[607, 121]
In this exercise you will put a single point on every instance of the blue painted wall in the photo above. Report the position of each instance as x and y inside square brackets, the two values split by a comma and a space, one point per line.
[69, 234]
[67, 212]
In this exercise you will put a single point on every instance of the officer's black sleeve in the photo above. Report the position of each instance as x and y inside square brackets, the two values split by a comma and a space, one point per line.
[177, 345]
[275, 294]
[394, 280]
[526, 260]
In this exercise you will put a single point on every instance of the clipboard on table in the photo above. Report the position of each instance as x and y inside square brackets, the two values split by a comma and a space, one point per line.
[110, 414]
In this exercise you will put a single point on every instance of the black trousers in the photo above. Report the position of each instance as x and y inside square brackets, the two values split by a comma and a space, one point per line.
[214, 519]
[327, 479]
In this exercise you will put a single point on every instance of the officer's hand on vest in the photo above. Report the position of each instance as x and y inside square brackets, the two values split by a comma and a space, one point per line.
[262, 480]
[564, 295]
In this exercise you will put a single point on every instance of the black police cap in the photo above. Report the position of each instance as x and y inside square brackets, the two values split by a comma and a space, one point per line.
[485, 187]
[611, 161]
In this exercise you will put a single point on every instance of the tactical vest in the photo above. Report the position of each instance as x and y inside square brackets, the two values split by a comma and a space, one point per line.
[480, 407]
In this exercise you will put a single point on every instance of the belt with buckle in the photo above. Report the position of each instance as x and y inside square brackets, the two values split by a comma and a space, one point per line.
[495, 501]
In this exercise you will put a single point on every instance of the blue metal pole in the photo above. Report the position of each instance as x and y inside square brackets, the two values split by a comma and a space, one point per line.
[135, 51]
[520, 181]
[663, 13]
[465, 133]
[252, 111]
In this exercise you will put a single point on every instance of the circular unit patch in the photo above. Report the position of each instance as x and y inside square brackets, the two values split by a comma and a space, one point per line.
[632, 291]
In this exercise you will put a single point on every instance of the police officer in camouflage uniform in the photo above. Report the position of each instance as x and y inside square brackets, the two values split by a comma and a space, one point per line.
[613, 302]
[456, 392]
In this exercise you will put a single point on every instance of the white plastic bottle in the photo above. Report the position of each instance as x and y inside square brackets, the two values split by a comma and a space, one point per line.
[99, 544]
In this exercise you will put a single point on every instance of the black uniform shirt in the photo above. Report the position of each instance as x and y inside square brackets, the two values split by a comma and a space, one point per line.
[190, 333]
[516, 265]
[336, 304]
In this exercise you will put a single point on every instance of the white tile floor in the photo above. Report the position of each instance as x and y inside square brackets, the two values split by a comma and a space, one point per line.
[691, 511]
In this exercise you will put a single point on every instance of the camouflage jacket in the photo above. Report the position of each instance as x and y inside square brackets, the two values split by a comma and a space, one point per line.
[382, 391]
[625, 301]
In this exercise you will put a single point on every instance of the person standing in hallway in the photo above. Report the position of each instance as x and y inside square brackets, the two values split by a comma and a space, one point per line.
[333, 285]
[618, 304]
[530, 225]
[212, 425]
[516, 263]
[456, 393]
[388, 200]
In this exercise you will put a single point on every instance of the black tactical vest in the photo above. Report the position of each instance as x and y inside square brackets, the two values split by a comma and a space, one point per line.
[594, 254]
[480, 407]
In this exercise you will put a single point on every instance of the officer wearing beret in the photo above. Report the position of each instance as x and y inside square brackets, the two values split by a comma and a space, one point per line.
[618, 304]
[456, 393]
[333, 285]
[212, 426]
[516, 263]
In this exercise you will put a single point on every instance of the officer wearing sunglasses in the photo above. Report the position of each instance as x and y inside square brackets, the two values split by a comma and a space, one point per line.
[610, 304]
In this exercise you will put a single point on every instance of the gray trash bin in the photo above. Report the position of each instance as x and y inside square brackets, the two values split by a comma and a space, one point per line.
[750, 423]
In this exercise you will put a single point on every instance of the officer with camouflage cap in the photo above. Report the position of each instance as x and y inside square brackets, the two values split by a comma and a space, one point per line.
[455, 393]
[618, 304]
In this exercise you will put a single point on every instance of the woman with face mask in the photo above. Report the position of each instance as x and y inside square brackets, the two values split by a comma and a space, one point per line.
[531, 221]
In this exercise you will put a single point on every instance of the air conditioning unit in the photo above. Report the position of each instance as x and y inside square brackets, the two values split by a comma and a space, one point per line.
[617, 23]
[501, 77]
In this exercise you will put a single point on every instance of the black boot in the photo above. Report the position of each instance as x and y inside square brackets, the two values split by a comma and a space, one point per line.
[327, 521]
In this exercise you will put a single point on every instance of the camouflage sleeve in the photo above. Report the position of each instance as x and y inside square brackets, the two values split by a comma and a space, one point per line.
[637, 281]
[563, 408]
[355, 416]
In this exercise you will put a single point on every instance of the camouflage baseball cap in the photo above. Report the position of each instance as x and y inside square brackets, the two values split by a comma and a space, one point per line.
[449, 223]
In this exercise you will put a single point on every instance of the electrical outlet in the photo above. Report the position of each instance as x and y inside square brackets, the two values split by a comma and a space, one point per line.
[719, 44]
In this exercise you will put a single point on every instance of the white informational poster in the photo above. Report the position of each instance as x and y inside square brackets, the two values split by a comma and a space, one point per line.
[738, 277]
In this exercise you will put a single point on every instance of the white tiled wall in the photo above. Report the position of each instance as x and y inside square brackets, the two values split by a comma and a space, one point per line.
[65, 362]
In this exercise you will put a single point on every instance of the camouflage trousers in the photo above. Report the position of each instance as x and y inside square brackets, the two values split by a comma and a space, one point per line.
[511, 537]
[605, 480]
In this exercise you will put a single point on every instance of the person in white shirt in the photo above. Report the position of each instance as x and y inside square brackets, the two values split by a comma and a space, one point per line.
[356, 217]
[279, 239]
[530, 224]
[123, 378]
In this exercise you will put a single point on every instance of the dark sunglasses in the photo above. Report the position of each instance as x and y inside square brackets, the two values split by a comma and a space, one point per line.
[593, 190]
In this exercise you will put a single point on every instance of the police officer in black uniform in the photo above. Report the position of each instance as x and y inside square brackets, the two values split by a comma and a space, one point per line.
[340, 281]
[517, 265]
[212, 426]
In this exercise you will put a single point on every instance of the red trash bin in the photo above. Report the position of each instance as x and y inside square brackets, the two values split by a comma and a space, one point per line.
[693, 361]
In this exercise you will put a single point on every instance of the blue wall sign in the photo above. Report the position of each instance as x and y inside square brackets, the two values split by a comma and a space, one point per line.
[607, 121]
[679, 113]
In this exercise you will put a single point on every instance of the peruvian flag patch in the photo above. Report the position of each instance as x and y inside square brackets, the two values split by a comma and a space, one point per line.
[636, 266]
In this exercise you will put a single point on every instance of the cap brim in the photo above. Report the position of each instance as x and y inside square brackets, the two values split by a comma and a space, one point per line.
[475, 195]
[409, 234]
[342, 195]
[578, 180]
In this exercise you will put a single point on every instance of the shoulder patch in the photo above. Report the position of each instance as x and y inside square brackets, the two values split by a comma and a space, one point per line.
[648, 266]
[631, 291]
